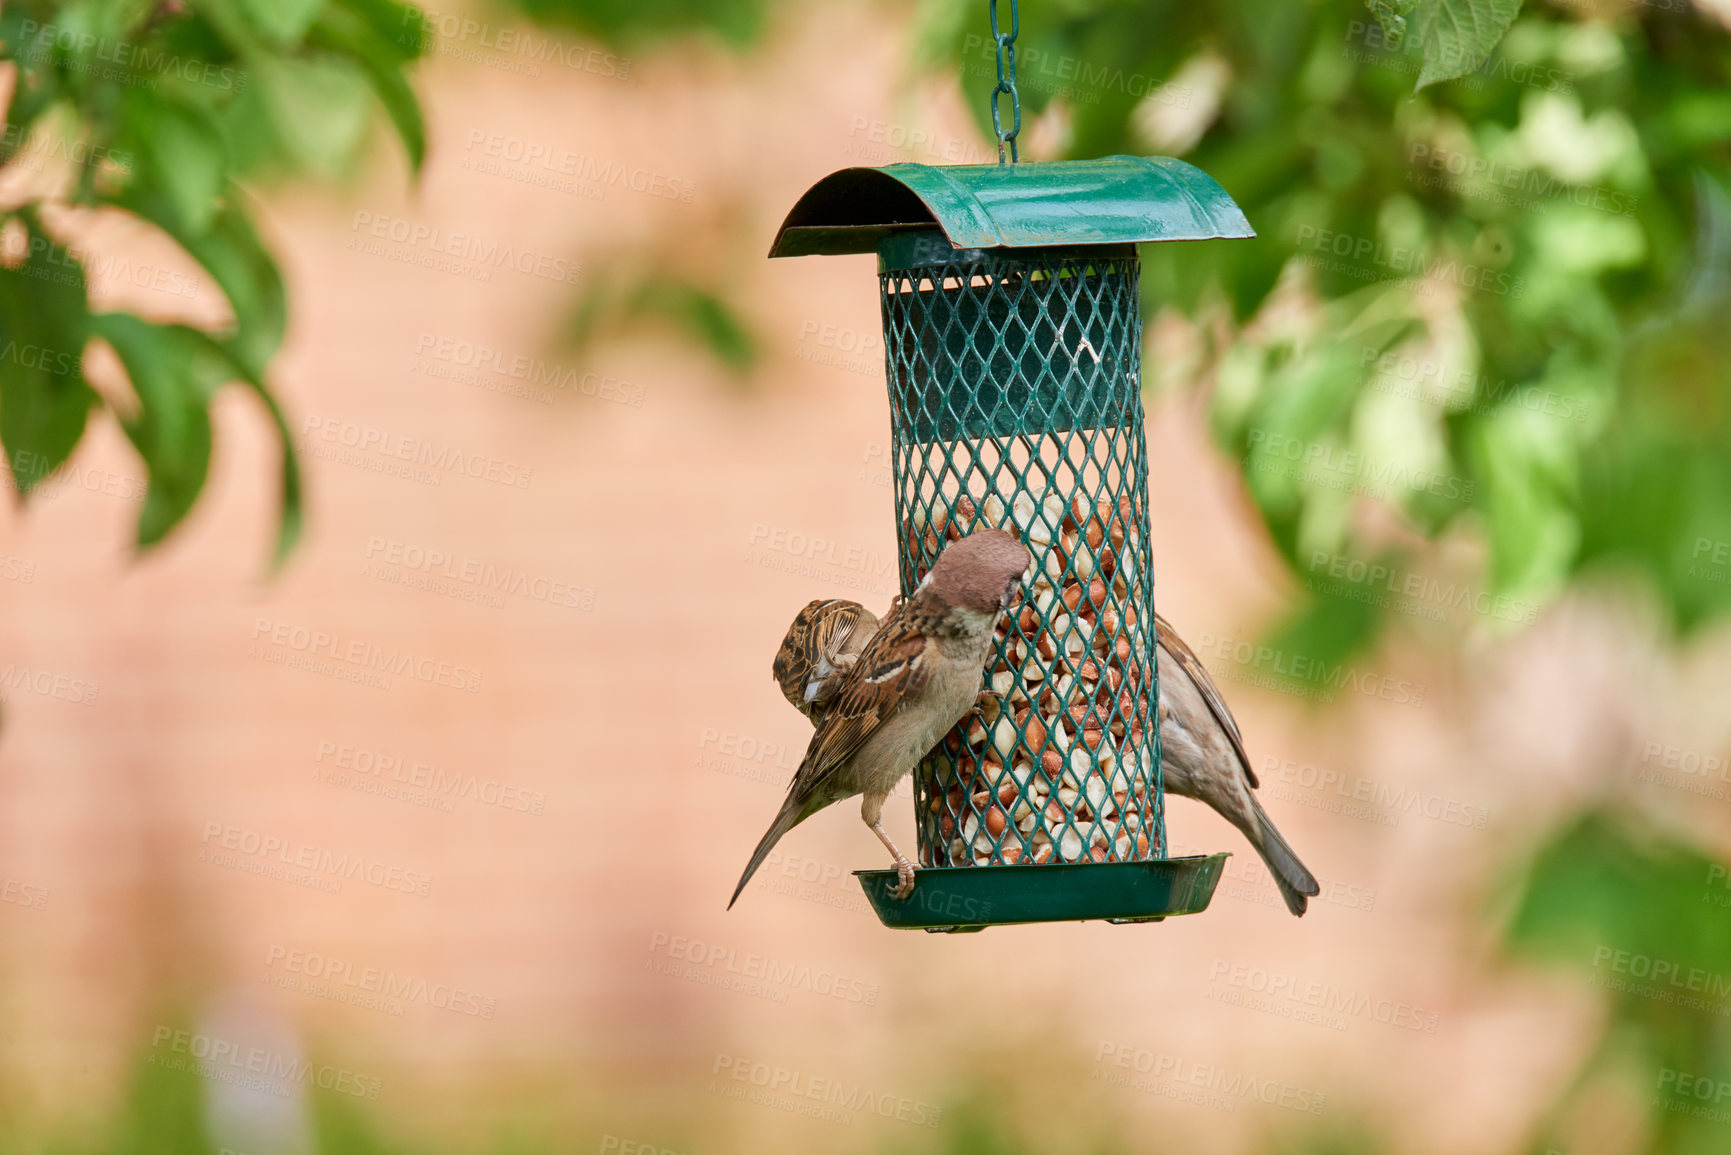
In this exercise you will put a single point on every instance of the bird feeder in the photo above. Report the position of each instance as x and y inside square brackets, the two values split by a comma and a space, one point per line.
[1013, 349]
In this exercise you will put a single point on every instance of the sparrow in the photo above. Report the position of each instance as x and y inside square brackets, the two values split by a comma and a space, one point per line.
[1203, 758]
[918, 676]
[824, 641]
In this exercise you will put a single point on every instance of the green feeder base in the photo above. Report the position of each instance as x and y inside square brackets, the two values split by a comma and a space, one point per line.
[969, 898]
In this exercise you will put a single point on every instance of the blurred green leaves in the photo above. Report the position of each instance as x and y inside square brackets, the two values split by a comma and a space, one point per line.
[1490, 305]
[616, 298]
[1640, 913]
[637, 23]
[174, 106]
[43, 398]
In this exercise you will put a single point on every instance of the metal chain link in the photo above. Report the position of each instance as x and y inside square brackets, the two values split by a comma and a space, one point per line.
[1006, 81]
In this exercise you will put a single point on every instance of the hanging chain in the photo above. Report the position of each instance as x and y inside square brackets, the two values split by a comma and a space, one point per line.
[1006, 81]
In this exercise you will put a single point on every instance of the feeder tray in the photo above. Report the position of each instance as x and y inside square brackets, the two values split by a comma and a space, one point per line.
[1013, 346]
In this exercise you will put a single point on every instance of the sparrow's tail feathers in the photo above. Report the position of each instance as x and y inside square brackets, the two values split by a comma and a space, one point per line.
[792, 811]
[1294, 881]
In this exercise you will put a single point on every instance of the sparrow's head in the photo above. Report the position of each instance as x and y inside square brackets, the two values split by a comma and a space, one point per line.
[980, 573]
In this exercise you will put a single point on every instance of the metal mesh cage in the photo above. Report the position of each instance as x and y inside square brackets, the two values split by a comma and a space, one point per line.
[1014, 382]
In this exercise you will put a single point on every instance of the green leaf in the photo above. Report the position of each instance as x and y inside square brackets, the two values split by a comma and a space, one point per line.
[36, 88]
[247, 274]
[290, 515]
[1456, 36]
[282, 21]
[181, 153]
[318, 107]
[357, 30]
[44, 401]
[174, 370]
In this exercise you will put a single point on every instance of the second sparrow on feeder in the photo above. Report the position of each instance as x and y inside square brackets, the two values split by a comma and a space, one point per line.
[1203, 758]
[916, 677]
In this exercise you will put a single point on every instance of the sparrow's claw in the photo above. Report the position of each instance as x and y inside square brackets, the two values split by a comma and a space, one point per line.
[989, 703]
[904, 886]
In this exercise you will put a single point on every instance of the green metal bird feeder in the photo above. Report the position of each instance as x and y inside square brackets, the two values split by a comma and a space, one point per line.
[1013, 350]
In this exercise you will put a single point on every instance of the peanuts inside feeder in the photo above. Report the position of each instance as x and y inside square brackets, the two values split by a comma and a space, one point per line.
[1012, 347]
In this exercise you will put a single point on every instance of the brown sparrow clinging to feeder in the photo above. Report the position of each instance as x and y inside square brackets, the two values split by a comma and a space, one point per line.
[824, 641]
[1203, 757]
[919, 674]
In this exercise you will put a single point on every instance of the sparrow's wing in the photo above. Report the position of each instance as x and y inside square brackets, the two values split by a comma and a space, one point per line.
[891, 672]
[821, 625]
[1191, 665]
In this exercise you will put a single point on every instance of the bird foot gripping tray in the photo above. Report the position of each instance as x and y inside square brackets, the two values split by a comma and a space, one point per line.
[1013, 345]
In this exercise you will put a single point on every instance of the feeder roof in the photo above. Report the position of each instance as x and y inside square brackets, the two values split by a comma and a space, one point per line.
[1113, 200]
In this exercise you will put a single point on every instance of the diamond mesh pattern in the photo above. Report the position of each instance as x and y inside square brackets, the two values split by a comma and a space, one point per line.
[1015, 402]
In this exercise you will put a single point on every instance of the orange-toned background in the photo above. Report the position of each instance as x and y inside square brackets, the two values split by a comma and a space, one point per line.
[643, 726]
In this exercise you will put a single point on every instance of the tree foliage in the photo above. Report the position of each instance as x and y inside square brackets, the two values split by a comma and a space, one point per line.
[1491, 305]
[161, 111]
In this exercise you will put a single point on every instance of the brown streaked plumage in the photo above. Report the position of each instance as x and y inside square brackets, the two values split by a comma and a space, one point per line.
[919, 674]
[826, 638]
[1202, 756]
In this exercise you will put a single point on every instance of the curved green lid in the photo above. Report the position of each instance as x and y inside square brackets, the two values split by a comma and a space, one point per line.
[1113, 200]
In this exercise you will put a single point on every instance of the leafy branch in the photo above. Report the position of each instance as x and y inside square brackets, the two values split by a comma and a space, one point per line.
[163, 110]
